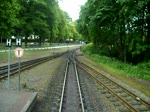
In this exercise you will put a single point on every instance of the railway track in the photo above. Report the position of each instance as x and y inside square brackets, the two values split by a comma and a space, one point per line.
[121, 98]
[25, 65]
[71, 97]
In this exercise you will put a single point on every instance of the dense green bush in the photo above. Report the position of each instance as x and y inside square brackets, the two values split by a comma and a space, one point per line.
[141, 70]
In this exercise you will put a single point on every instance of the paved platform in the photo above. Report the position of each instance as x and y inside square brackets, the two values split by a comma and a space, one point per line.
[15, 101]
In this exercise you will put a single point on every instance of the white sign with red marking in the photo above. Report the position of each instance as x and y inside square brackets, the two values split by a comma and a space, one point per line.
[19, 52]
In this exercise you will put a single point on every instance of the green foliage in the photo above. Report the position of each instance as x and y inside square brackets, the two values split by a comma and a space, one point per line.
[44, 18]
[140, 71]
[96, 50]
[123, 24]
[9, 9]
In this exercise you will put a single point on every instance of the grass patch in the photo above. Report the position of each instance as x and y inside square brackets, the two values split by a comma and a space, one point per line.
[125, 72]
[139, 71]
[29, 54]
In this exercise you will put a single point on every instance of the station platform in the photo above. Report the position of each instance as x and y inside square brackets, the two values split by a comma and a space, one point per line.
[15, 101]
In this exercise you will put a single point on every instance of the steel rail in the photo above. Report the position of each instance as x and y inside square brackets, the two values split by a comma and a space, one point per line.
[26, 65]
[81, 99]
[14, 70]
[124, 89]
[63, 89]
[64, 84]
[78, 82]
[86, 68]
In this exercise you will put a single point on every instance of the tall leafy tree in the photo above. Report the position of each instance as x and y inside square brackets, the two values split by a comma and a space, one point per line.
[33, 20]
[44, 18]
[9, 9]
[121, 26]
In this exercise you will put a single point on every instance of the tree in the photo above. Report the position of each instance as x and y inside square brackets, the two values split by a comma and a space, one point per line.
[35, 17]
[119, 25]
[9, 9]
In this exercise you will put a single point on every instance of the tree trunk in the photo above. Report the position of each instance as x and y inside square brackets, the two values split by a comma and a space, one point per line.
[40, 41]
[148, 33]
[148, 22]
[123, 42]
[1, 36]
[1, 39]
[26, 41]
[143, 16]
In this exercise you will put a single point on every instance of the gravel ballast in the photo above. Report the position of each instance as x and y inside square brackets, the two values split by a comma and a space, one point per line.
[41, 79]
[46, 79]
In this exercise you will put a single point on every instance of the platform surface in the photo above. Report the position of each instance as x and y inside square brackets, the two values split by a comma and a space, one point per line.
[15, 101]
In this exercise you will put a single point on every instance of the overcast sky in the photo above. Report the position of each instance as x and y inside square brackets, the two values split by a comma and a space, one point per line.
[72, 7]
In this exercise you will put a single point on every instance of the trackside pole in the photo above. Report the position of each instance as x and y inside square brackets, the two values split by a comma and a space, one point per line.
[19, 53]
[9, 50]
[19, 61]
[8, 44]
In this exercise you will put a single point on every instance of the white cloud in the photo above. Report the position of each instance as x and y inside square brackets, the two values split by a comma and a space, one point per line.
[72, 7]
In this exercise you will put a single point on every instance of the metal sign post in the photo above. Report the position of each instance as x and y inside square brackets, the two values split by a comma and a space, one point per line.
[9, 68]
[8, 44]
[19, 61]
[19, 54]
